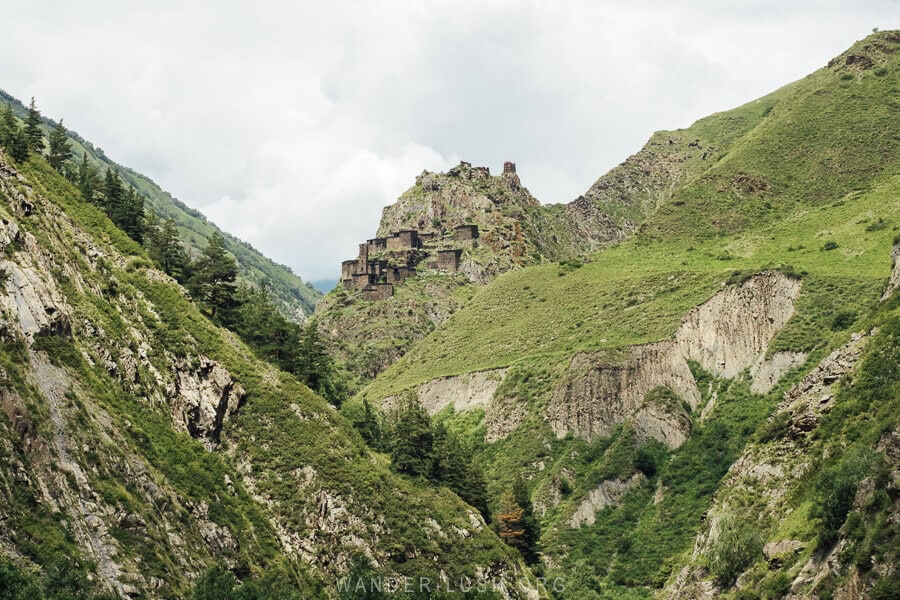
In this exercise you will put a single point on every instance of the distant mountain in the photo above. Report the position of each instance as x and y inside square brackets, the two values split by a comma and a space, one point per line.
[293, 296]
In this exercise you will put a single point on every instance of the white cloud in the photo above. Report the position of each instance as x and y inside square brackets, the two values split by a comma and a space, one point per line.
[293, 124]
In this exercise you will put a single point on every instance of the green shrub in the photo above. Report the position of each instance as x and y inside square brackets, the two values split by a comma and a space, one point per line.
[881, 71]
[843, 320]
[830, 245]
[738, 546]
[835, 489]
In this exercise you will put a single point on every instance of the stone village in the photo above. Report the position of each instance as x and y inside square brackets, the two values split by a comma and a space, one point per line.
[383, 263]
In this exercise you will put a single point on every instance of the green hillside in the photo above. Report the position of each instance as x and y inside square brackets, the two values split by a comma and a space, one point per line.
[295, 297]
[803, 182]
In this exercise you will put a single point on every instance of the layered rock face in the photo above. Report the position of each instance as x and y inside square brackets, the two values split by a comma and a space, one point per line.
[894, 281]
[728, 333]
[596, 395]
[608, 493]
[202, 397]
[731, 331]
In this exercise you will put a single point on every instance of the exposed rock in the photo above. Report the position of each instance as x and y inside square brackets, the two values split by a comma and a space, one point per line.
[894, 281]
[202, 397]
[608, 493]
[462, 392]
[29, 294]
[731, 331]
[766, 372]
[596, 394]
[766, 473]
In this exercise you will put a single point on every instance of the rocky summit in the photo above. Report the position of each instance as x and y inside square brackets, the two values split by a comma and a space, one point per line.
[682, 384]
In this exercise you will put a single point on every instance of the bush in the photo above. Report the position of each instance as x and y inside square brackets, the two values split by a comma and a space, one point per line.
[881, 71]
[843, 320]
[830, 245]
[835, 489]
[738, 546]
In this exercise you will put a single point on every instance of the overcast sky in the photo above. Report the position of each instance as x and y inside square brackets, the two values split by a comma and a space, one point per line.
[291, 124]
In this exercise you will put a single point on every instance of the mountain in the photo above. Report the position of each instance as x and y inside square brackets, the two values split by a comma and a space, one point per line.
[295, 298]
[142, 445]
[707, 405]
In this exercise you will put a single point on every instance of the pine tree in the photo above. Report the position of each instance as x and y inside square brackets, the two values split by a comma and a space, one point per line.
[87, 179]
[455, 467]
[412, 440]
[213, 281]
[315, 367]
[369, 427]
[60, 149]
[133, 218]
[113, 197]
[531, 528]
[509, 520]
[18, 145]
[165, 248]
[7, 126]
[33, 135]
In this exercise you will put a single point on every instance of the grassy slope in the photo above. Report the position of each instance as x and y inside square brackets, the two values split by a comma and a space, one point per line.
[295, 297]
[817, 161]
[821, 165]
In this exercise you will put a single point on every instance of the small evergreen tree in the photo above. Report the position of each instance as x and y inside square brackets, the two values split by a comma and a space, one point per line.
[454, 466]
[33, 135]
[87, 179]
[7, 126]
[411, 440]
[213, 280]
[369, 427]
[509, 520]
[531, 528]
[18, 145]
[165, 248]
[60, 149]
[315, 367]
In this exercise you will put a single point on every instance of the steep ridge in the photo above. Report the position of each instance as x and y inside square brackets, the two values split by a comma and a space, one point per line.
[515, 230]
[139, 437]
[296, 298]
[663, 355]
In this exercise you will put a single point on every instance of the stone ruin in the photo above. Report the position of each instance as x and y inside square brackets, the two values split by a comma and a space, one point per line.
[383, 263]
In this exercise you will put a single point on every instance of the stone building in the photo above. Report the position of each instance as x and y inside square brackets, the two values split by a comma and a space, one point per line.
[464, 233]
[383, 263]
[448, 260]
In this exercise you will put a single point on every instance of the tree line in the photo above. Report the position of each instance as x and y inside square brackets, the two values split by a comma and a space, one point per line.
[426, 450]
[211, 278]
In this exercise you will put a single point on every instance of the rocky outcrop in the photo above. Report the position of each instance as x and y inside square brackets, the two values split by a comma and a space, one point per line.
[727, 334]
[766, 473]
[463, 392]
[766, 372]
[201, 397]
[894, 281]
[731, 331]
[597, 394]
[30, 301]
[608, 493]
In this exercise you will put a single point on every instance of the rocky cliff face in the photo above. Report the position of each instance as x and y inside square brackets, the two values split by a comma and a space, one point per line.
[768, 475]
[725, 335]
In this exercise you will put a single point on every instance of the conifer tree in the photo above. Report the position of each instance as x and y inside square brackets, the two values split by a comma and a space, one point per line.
[7, 126]
[87, 179]
[165, 248]
[60, 149]
[18, 144]
[531, 529]
[315, 367]
[213, 281]
[455, 467]
[369, 427]
[411, 440]
[509, 520]
[33, 135]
